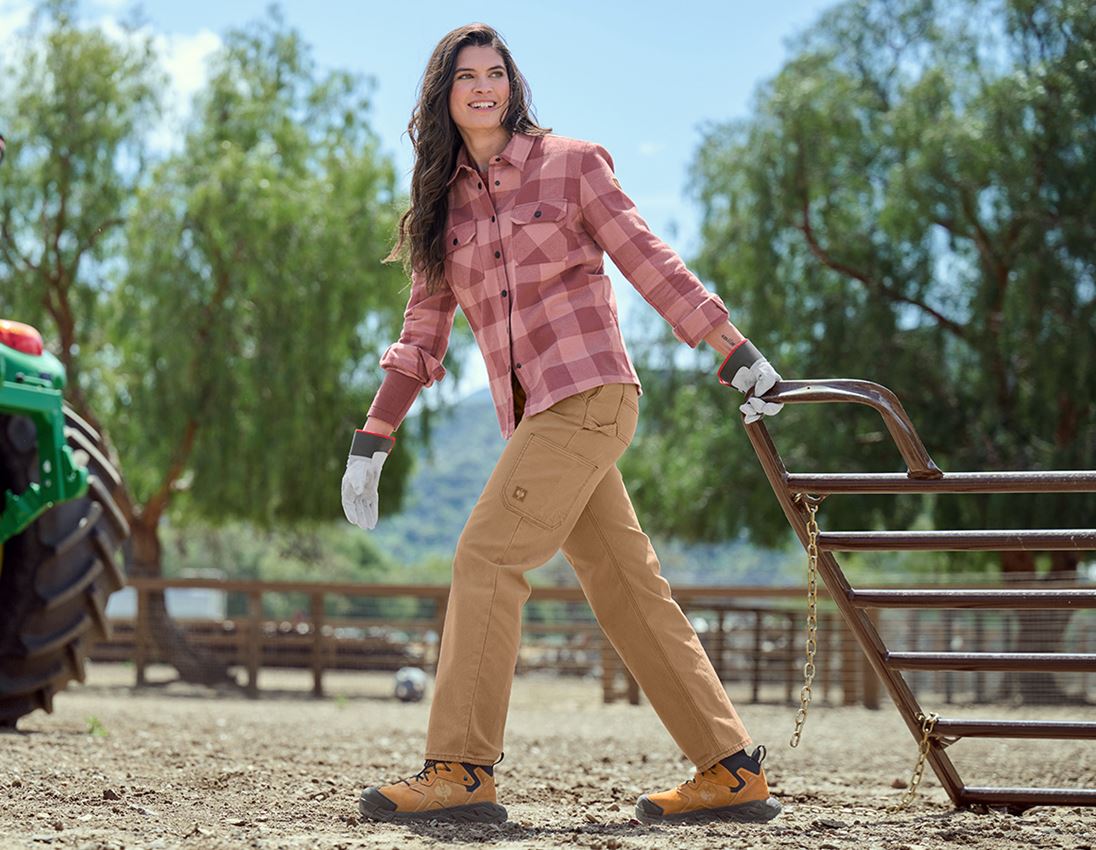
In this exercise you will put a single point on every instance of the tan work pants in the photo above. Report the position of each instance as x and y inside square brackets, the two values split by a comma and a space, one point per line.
[557, 486]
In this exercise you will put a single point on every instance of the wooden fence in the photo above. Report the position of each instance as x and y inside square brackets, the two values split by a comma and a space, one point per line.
[754, 636]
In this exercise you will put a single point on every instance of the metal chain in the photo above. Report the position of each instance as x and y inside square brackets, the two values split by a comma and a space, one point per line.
[812, 613]
[928, 723]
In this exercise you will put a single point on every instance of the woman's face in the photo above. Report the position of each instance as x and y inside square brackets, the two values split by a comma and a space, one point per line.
[481, 89]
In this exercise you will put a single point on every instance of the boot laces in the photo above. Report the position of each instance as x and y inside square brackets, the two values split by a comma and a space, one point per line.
[704, 773]
[430, 766]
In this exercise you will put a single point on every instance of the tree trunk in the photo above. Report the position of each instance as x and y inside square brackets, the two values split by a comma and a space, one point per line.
[1038, 630]
[193, 664]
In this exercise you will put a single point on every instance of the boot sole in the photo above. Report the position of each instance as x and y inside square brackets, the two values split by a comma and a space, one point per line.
[375, 806]
[756, 811]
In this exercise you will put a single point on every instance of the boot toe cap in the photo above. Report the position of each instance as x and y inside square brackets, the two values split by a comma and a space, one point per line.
[373, 804]
[646, 807]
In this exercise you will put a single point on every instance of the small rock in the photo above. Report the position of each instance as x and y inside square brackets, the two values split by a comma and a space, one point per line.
[57, 825]
[111, 794]
[898, 783]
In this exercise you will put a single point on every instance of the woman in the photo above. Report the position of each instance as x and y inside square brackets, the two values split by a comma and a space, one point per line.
[510, 222]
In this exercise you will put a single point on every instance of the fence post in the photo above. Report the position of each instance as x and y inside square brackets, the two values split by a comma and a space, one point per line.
[949, 636]
[755, 673]
[608, 670]
[830, 623]
[979, 646]
[633, 687]
[790, 667]
[850, 653]
[141, 636]
[254, 640]
[317, 644]
[870, 682]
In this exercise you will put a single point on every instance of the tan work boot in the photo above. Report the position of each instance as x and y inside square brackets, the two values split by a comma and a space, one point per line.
[733, 788]
[442, 790]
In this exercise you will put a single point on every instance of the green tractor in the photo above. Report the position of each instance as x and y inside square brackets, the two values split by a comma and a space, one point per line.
[60, 528]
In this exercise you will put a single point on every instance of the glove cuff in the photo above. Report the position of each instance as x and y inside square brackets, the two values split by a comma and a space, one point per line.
[743, 354]
[367, 443]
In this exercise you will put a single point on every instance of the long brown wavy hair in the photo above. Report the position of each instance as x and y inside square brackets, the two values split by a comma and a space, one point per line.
[437, 142]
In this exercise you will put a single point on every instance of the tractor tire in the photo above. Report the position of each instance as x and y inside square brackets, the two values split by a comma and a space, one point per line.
[56, 575]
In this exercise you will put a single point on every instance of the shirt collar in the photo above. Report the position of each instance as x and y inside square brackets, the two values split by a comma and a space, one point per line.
[515, 153]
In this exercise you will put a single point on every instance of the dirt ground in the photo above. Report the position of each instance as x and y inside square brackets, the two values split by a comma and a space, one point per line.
[180, 767]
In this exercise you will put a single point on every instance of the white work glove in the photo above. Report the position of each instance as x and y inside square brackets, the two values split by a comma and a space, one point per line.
[368, 453]
[747, 370]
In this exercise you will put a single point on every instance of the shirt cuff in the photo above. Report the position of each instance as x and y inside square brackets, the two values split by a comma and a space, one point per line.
[708, 315]
[395, 397]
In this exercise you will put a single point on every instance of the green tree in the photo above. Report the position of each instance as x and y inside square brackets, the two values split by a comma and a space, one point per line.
[74, 105]
[912, 201]
[223, 310]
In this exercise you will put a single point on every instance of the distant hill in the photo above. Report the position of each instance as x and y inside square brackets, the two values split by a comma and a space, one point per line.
[450, 477]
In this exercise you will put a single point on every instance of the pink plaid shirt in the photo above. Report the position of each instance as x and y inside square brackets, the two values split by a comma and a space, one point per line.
[524, 261]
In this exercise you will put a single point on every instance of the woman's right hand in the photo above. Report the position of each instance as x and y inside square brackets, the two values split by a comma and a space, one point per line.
[368, 452]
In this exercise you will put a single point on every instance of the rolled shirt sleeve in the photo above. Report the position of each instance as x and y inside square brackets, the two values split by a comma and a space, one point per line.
[414, 361]
[649, 264]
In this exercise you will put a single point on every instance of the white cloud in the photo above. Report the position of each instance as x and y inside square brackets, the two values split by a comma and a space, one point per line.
[650, 148]
[13, 16]
[184, 58]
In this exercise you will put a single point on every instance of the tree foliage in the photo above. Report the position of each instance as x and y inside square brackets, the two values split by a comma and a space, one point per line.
[74, 105]
[252, 261]
[220, 310]
[912, 202]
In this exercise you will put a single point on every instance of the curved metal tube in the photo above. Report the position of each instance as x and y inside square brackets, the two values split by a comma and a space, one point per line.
[848, 391]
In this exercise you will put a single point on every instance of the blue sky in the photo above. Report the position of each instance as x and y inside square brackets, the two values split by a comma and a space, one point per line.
[639, 77]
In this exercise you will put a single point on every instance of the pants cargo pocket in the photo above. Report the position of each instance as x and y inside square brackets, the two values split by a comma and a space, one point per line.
[545, 482]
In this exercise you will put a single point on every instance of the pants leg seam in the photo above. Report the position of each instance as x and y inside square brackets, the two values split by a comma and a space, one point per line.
[483, 652]
[646, 626]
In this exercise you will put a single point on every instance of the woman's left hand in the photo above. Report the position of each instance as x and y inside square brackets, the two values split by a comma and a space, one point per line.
[748, 371]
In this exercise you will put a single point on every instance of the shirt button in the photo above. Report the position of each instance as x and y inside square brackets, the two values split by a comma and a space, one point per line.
[492, 218]
[480, 185]
[536, 214]
[517, 365]
[454, 241]
[497, 255]
[504, 293]
[498, 158]
[496, 182]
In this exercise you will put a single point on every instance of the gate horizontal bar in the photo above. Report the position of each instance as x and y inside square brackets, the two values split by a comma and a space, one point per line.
[1066, 481]
[1076, 662]
[1013, 598]
[1063, 729]
[1076, 539]
[1032, 796]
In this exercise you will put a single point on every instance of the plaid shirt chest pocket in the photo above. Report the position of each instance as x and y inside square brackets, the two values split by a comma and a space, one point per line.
[462, 267]
[540, 234]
